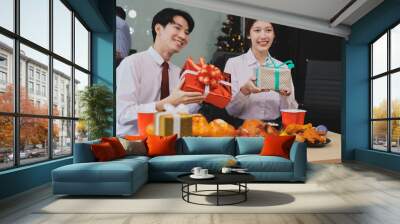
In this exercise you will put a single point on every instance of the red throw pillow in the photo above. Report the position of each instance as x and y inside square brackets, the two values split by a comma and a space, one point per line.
[161, 145]
[103, 151]
[277, 145]
[116, 145]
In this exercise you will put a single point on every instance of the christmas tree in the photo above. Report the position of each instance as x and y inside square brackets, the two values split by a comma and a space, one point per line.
[233, 40]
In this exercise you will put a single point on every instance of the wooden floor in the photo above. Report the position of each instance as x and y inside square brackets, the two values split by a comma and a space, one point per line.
[379, 190]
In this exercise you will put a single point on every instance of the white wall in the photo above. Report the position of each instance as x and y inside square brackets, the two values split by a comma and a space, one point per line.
[202, 39]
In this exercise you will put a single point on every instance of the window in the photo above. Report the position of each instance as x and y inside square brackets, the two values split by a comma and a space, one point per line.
[39, 80]
[7, 14]
[30, 87]
[30, 73]
[37, 74]
[43, 90]
[38, 89]
[3, 71]
[385, 94]
[3, 78]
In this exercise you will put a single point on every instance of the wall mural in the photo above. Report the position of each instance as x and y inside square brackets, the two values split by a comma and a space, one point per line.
[256, 78]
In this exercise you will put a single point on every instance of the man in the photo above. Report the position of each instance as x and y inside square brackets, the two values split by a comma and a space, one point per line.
[123, 36]
[147, 80]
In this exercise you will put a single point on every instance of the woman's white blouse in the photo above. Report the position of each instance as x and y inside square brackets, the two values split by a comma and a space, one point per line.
[264, 105]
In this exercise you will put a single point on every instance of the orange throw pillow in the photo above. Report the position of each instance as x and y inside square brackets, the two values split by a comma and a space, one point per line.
[103, 152]
[161, 145]
[277, 145]
[116, 145]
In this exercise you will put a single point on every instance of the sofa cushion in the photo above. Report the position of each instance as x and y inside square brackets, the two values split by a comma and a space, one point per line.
[257, 163]
[83, 152]
[134, 147]
[116, 145]
[112, 171]
[185, 163]
[161, 145]
[249, 145]
[277, 146]
[103, 152]
[207, 145]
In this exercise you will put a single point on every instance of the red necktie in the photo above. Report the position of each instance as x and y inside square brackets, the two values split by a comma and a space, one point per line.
[164, 81]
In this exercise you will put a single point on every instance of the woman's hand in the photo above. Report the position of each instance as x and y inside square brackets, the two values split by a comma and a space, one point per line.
[284, 92]
[249, 87]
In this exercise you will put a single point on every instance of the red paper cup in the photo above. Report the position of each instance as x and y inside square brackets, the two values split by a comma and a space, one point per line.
[293, 116]
[144, 119]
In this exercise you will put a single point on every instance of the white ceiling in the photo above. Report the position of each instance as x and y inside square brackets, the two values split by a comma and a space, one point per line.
[315, 15]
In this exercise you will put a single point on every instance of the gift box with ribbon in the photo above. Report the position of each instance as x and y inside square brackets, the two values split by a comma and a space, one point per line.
[208, 80]
[274, 76]
[174, 120]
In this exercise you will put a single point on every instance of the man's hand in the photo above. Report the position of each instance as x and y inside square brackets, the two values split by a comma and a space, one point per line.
[249, 87]
[180, 97]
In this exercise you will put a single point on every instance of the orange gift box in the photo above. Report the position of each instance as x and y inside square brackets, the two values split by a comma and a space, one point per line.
[198, 77]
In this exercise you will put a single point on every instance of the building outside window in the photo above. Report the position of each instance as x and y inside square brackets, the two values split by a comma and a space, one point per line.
[3, 72]
[30, 87]
[35, 52]
[385, 93]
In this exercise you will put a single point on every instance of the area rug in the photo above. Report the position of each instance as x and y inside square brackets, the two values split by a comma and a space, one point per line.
[167, 198]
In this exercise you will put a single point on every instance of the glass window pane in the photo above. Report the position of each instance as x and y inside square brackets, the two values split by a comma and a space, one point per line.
[81, 81]
[395, 95]
[7, 14]
[6, 74]
[62, 89]
[395, 47]
[6, 142]
[62, 141]
[81, 131]
[379, 135]
[395, 136]
[81, 45]
[379, 55]
[33, 139]
[35, 21]
[379, 97]
[34, 101]
[62, 29]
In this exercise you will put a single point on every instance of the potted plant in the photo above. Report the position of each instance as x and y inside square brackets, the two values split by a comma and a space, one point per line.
[97, 103]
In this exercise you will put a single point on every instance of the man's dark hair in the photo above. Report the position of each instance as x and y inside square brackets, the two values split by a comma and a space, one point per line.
[120, 12]
[166, 16]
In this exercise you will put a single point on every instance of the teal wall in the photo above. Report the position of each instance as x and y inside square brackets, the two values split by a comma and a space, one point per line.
[99, 16]
[24, 178]
[356, 106]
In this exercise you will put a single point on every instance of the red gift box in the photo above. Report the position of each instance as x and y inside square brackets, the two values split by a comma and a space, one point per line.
[199, 77]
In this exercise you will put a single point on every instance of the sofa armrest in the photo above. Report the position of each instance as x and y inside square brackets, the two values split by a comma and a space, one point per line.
[83, 152]
[298, 155]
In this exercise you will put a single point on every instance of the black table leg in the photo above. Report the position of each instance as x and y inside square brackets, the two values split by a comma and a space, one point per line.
[245, 193]
[217, 194]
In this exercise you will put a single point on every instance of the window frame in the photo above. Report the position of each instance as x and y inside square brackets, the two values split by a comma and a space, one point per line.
[51, 118]
[388, 74]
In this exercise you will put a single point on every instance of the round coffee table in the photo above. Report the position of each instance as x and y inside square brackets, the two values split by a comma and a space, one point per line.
[238, 179]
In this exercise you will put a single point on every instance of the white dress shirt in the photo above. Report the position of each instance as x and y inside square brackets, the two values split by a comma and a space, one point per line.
[123, 37]
[264, 105]
[139, 87]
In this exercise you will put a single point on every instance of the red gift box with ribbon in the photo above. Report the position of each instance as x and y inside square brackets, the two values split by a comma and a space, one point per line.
[209, 80]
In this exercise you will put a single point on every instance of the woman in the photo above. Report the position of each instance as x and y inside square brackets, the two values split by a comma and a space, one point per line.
[249, 101]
